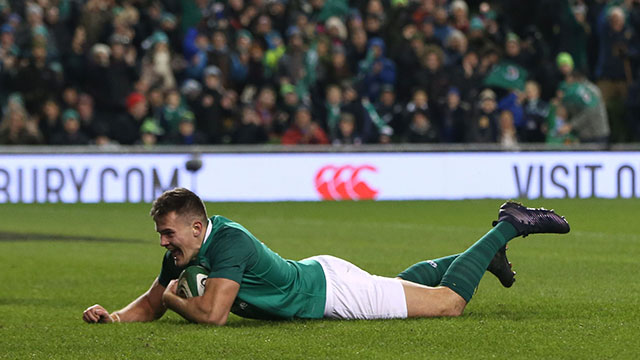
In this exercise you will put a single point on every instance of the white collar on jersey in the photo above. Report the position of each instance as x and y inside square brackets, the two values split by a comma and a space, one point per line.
[209, 229]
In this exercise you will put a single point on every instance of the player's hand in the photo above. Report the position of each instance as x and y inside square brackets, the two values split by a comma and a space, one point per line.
[96, 314]
[171, 290]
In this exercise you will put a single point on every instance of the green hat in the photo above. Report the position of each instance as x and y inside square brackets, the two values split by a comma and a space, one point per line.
[149, 126]
[287, 89]
[16, 97]
[70, 114]
[513, 37]
[476, 23]
[187, 116]
[168, 17]
[564, 58]
[159, 37]
[40, 30]
[245, 33]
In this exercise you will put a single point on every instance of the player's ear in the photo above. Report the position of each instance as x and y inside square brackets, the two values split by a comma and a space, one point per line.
[196, 227]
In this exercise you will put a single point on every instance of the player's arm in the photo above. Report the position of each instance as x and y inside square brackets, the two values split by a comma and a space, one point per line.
[212, 307]
[147, 307]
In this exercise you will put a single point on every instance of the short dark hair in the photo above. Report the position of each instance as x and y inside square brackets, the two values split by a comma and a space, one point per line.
[183, 201]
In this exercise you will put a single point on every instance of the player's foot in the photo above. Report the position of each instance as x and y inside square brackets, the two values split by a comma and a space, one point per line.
[532, 221]
[501, 268]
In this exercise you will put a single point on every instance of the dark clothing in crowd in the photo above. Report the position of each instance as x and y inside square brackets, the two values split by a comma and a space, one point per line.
[157, 48]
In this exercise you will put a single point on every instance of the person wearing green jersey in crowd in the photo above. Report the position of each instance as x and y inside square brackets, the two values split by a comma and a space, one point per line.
[250, 280]
[587, 114]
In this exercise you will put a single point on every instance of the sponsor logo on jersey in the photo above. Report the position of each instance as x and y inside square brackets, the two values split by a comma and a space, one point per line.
[344, 183]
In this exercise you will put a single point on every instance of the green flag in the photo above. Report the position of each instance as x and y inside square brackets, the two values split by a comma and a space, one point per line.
[507, 75]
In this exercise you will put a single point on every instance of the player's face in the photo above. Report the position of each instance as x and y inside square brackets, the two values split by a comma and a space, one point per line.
[179, 236]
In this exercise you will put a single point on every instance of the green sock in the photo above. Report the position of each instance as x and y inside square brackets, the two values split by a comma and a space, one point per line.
[465, 272]
[428, 272]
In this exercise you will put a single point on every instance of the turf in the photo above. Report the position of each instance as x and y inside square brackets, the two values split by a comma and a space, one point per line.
[576, 295]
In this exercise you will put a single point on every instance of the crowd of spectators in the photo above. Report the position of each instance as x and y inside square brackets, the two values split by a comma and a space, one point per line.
[148, 72]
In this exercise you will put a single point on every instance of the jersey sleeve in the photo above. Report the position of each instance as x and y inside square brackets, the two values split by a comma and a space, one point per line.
[232, 254]
[169, 270]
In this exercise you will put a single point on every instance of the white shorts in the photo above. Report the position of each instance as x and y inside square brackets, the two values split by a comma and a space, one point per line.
[353, 293]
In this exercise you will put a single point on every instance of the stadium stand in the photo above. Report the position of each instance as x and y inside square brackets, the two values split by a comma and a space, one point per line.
[108, 72]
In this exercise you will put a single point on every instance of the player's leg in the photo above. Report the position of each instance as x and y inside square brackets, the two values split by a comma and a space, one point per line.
[352, 293]
[430, 272]
[464, 273]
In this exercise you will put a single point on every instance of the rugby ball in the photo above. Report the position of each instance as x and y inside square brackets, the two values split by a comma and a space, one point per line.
[191, 281]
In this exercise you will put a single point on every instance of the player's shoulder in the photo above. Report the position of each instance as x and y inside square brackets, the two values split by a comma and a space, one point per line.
[226, 230]
[224, 226]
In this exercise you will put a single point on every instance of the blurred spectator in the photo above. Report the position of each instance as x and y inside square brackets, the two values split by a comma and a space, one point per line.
[565, 64]
[356, 49]
[484, 123]
[291, 66]
[122, 70]
[419, 102]
[149, 132]
[476, 35]
[304, 130]
[376, 69]
[91, 123]
[265, 106]
[209, 109]
[557, 120]
[421, 129]
[508, 137]
[288, 105]
[586, 114]
[514, 52]
[434, 79]
[346, 134]
[70, 134]
[219, 54]
[186, 133]
[410, 51]
[249, 130]
[454, 118]
[536, 111]
[172, 112]
[466, 77]
[97, 78]
[613, 71]
[17, 129]
[441, 28]
[460, 15]
[50, 121]
[512, 102]
[125, 129]
[455, 47]
[332, 110]
[157, 62]
[633, 109]
[36, 79]
[338, 71]
[390, 111]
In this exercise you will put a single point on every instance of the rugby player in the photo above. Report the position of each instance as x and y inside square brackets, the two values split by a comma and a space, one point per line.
[250, 280]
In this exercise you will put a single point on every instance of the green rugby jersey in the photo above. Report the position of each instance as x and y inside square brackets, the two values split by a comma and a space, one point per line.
[270, 286]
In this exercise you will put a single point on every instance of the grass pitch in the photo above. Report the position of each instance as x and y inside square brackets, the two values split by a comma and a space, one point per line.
[576, 295]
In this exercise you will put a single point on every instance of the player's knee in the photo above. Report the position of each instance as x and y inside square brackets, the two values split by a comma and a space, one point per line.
[453, 305]
[453, 311]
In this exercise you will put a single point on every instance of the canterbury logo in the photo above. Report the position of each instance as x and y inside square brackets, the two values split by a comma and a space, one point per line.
[343, 183]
